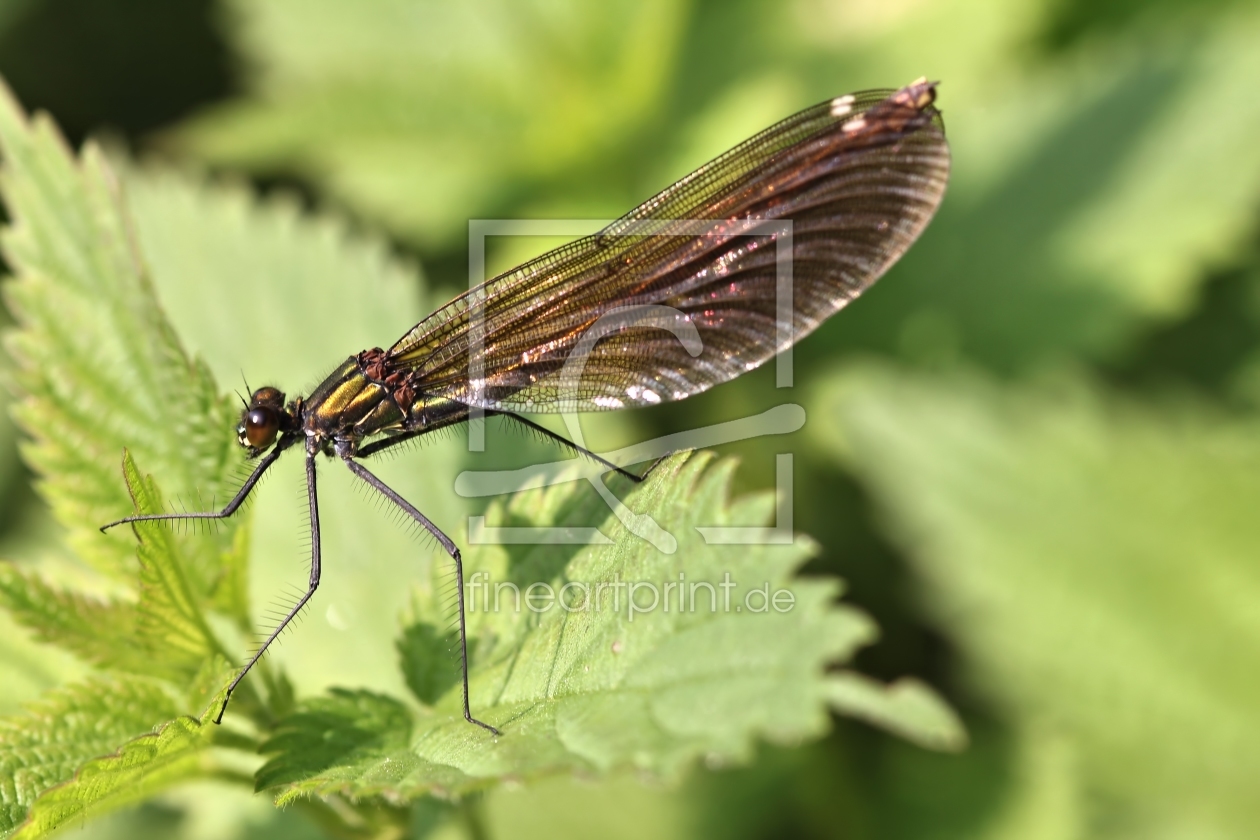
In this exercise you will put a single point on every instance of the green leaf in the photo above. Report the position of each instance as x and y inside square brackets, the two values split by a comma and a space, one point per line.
[425, 655]
[231, 590]
[618, 808]
[340, 734]
[423, 114]
[1094, 161]
[1090, 202]
[1096, 562]
[258, 286]
[908, 707]
[1046, 801]
[163, 634]
[59, 734]
[1181, 201]
[593, 687]
[98, 366]
[136, 771]
[227, 266]
[171, 624]
[28, 667]
[99, 631]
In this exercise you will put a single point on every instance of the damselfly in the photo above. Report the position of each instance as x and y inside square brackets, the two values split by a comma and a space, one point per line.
[684, 292]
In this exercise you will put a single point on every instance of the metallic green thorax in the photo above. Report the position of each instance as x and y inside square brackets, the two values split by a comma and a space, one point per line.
[351, 404]
[348, 404]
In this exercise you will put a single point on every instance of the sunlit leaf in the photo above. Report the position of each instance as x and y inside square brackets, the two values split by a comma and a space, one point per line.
[594, 686]
[137, 770]
[420, 114]
[425, 655]
[342, 735]
[907, 707]
[60, 733]
[170, 622]
[98, 631]
[1183, 198]
[1093, 189]
[98, 366]
[27, 667]
[1096, 562]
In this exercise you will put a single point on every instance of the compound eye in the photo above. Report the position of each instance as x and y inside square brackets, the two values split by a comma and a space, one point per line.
[261, 426]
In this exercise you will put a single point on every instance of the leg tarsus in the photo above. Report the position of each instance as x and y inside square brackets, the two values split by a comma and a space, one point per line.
[652, 466]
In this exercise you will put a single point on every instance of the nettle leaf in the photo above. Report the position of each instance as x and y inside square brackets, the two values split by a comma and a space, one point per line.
[425, 654]
[420, 114]
[29, 667]
[230, 595]
[205, 243]
[908, 707]
[60, 733]
[171, 623]
[1096, 563]
[258, 285]
[164, 634]
[342, 735]
[98, 368]
[592, 686]
[1181, 201]
[136, 771]
[98, 631]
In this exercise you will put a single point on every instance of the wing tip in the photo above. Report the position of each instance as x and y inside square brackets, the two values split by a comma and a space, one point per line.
[918, 95]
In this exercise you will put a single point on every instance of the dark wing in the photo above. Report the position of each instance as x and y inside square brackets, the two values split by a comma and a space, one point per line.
[684, 292]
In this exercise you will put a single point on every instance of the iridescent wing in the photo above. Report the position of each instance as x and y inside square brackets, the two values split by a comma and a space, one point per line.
[704, 281]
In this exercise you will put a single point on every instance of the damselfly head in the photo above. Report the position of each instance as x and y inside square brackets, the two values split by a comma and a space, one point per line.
[260, 422]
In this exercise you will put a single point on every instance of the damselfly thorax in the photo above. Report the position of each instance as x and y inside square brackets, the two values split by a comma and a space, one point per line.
[357, 401]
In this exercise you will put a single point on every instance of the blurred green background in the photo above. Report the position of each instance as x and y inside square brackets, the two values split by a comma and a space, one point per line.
[1032, 450]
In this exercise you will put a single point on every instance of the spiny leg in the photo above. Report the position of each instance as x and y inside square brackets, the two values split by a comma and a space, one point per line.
[570, 445]
[451, 549]
[396, 440]
[311, 451]
[564, 441]
[232, 506]
[381, 445]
